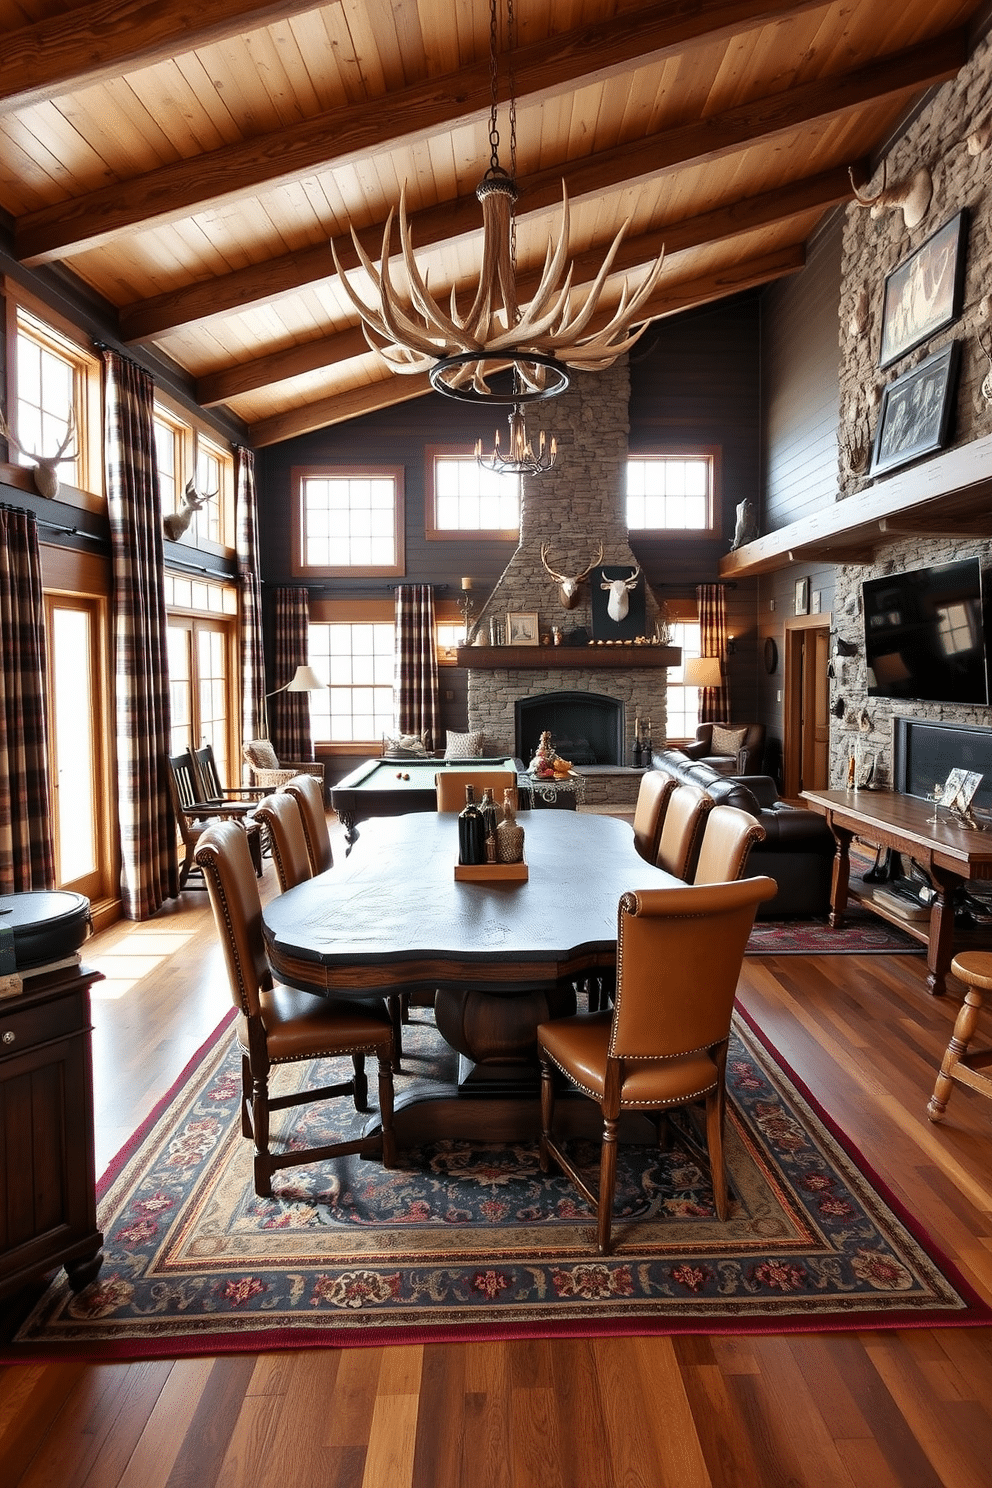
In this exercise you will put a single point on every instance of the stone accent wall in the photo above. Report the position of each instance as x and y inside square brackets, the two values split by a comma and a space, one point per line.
[872, 248]
[573, 508]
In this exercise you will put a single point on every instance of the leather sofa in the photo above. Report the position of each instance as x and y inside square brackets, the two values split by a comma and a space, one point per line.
[747, 759]
[798, 849]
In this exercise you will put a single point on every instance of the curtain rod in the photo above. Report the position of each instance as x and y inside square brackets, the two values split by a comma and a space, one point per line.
[71, 531]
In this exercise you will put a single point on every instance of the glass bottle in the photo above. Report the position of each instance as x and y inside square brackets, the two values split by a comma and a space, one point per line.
[509, 836]
[471, 839]
[490, 818]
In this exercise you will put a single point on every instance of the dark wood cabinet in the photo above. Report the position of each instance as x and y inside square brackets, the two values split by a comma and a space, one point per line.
[47, 1171]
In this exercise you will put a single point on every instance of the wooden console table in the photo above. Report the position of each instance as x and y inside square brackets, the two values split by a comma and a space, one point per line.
[951, 854]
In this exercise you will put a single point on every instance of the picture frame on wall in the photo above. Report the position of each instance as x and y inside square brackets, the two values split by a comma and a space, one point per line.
[915, 416]
[802, 596]
[522, 628]
[923, 295]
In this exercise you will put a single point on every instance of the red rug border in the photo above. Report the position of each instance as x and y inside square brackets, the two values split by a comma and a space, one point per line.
[282, 1339]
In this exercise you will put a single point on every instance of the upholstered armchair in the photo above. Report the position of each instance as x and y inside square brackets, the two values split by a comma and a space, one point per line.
[730, 748]
[270, 772]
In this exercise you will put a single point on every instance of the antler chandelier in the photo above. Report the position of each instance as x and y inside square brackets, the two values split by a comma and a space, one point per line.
[462, 350]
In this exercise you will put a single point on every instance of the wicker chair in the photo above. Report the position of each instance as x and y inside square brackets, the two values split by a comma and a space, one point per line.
[267, 771]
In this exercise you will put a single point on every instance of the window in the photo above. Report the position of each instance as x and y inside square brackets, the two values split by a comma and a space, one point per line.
[673, 492]
[183, 452]
[356, 658]
[683, 702]
[79, 793]
[449, 636]
[348, 521]
[54, 380]
[202, 664]
[463, 497]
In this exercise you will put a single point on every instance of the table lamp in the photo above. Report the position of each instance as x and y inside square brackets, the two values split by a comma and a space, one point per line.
[703, 671]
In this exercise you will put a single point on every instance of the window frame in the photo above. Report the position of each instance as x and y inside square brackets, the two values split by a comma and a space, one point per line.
[680, 612]
[299, 474]
[24, 314]
[189, 436]
[351, 612]
[435, 533]
[713, 455]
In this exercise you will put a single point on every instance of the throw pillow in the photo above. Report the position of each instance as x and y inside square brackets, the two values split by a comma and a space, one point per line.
[727, 740]
[403, 746]
[463, 746]
[260, 753]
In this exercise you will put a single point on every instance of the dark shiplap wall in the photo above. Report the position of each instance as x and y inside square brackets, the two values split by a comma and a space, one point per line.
[694, 379]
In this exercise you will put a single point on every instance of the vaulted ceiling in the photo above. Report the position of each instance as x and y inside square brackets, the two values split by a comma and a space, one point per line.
[191, 163]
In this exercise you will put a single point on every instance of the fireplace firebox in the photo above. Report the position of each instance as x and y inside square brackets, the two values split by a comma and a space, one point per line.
[585, 727]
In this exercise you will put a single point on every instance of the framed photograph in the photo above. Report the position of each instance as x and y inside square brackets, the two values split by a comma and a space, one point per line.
[916, 412]
[959, 788]
[802, 596]
[521, 628]
[924, 294]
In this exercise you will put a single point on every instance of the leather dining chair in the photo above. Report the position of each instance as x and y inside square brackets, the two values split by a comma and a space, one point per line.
[664, 1045]
[728, 837]
[309, 797]
[682, 831]
[283, 1025]
[649, 811]
[280, 813]
[451, 786]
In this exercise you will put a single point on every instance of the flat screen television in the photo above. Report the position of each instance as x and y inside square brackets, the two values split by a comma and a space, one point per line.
[925, 634]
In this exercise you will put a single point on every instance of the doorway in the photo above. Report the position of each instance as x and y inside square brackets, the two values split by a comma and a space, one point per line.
[806, 763]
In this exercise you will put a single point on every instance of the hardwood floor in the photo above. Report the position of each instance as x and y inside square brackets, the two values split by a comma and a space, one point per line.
[909, 1409]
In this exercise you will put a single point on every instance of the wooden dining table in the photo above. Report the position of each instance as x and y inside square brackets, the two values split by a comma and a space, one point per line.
[499, 957]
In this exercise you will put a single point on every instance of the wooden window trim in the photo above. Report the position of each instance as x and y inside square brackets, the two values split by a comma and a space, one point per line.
[714, 527]
[189, 432]
[432, 531]
[300, 473]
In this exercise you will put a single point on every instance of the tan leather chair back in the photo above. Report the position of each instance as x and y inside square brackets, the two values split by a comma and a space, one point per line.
[310, 799]
[679, 954]
[728, 837]
[281, 814]
[682, 830]
[451, 786]
[652, 803]
[233, 888]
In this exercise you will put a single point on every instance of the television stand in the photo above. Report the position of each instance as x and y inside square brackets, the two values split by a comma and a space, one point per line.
[950, 853]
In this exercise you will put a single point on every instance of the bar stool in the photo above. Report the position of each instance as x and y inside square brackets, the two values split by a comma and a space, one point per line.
[974, 968]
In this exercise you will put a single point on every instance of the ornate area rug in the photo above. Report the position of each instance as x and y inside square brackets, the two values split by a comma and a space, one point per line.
[469, 1240]
[864, 934]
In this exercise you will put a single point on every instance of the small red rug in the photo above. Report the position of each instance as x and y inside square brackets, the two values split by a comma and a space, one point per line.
[469, 1240]
[863, 934]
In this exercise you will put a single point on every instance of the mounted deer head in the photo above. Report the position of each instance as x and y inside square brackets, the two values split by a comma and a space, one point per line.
[980, 138]
[985, 342]
[568, 591]
[44, 474]
[619, 589]
[176, 523]
[911, 194]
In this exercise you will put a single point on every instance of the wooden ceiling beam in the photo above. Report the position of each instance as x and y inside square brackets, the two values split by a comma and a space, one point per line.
[746, 274]
[103, 38]
[68, 227]
[813, 193]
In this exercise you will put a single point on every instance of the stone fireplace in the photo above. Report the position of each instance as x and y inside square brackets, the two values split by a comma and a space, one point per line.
[572, 509]
[585, 727]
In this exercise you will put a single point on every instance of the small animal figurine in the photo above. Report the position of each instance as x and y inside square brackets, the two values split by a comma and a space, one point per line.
[746, 529]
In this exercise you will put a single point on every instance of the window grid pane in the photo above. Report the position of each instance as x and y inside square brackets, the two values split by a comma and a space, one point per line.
[349, 521]
[669, 493]
[468, 498]
[683, 702]
[357, 658]
[46, 396]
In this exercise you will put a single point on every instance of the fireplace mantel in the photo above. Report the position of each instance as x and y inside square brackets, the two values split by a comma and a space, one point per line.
[617, 658]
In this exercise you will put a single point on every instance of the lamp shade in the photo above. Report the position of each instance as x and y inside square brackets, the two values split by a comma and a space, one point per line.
[305, 680]
[703, 671]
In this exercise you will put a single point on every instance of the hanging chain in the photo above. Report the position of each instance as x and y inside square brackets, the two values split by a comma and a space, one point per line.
[493, 88]
[511, 41]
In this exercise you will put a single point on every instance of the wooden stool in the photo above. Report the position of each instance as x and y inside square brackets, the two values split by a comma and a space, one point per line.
[974, 968]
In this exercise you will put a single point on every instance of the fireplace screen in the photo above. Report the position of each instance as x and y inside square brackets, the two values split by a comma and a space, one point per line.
[585, 727]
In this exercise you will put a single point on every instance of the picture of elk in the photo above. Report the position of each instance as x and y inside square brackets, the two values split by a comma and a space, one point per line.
[44, 473]
[620, 590]
[176, 523]
[568, 590]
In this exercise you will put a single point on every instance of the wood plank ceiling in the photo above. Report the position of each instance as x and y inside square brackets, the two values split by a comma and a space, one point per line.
[190, 162]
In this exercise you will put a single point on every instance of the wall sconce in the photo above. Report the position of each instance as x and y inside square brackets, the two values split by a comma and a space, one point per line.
[731, 645]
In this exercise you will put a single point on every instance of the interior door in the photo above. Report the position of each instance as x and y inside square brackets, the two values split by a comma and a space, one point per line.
[807, 707]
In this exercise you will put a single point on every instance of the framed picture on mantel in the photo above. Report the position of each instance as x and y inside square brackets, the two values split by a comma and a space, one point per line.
[924, 293]
[916, 412]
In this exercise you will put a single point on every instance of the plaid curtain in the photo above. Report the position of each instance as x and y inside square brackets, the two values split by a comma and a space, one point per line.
[415, 700]
[714, 702]
[291, 710]
[27, 853]
[253, 724]
[148, 834]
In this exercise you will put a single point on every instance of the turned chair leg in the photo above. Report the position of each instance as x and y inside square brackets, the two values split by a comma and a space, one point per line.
[361, 1083]
[386, 1111]
[607, 1184]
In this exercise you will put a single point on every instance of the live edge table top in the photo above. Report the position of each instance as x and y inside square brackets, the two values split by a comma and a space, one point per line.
[392, 918]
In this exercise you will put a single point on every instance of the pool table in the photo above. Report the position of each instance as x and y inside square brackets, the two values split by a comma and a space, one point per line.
[387, 787]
